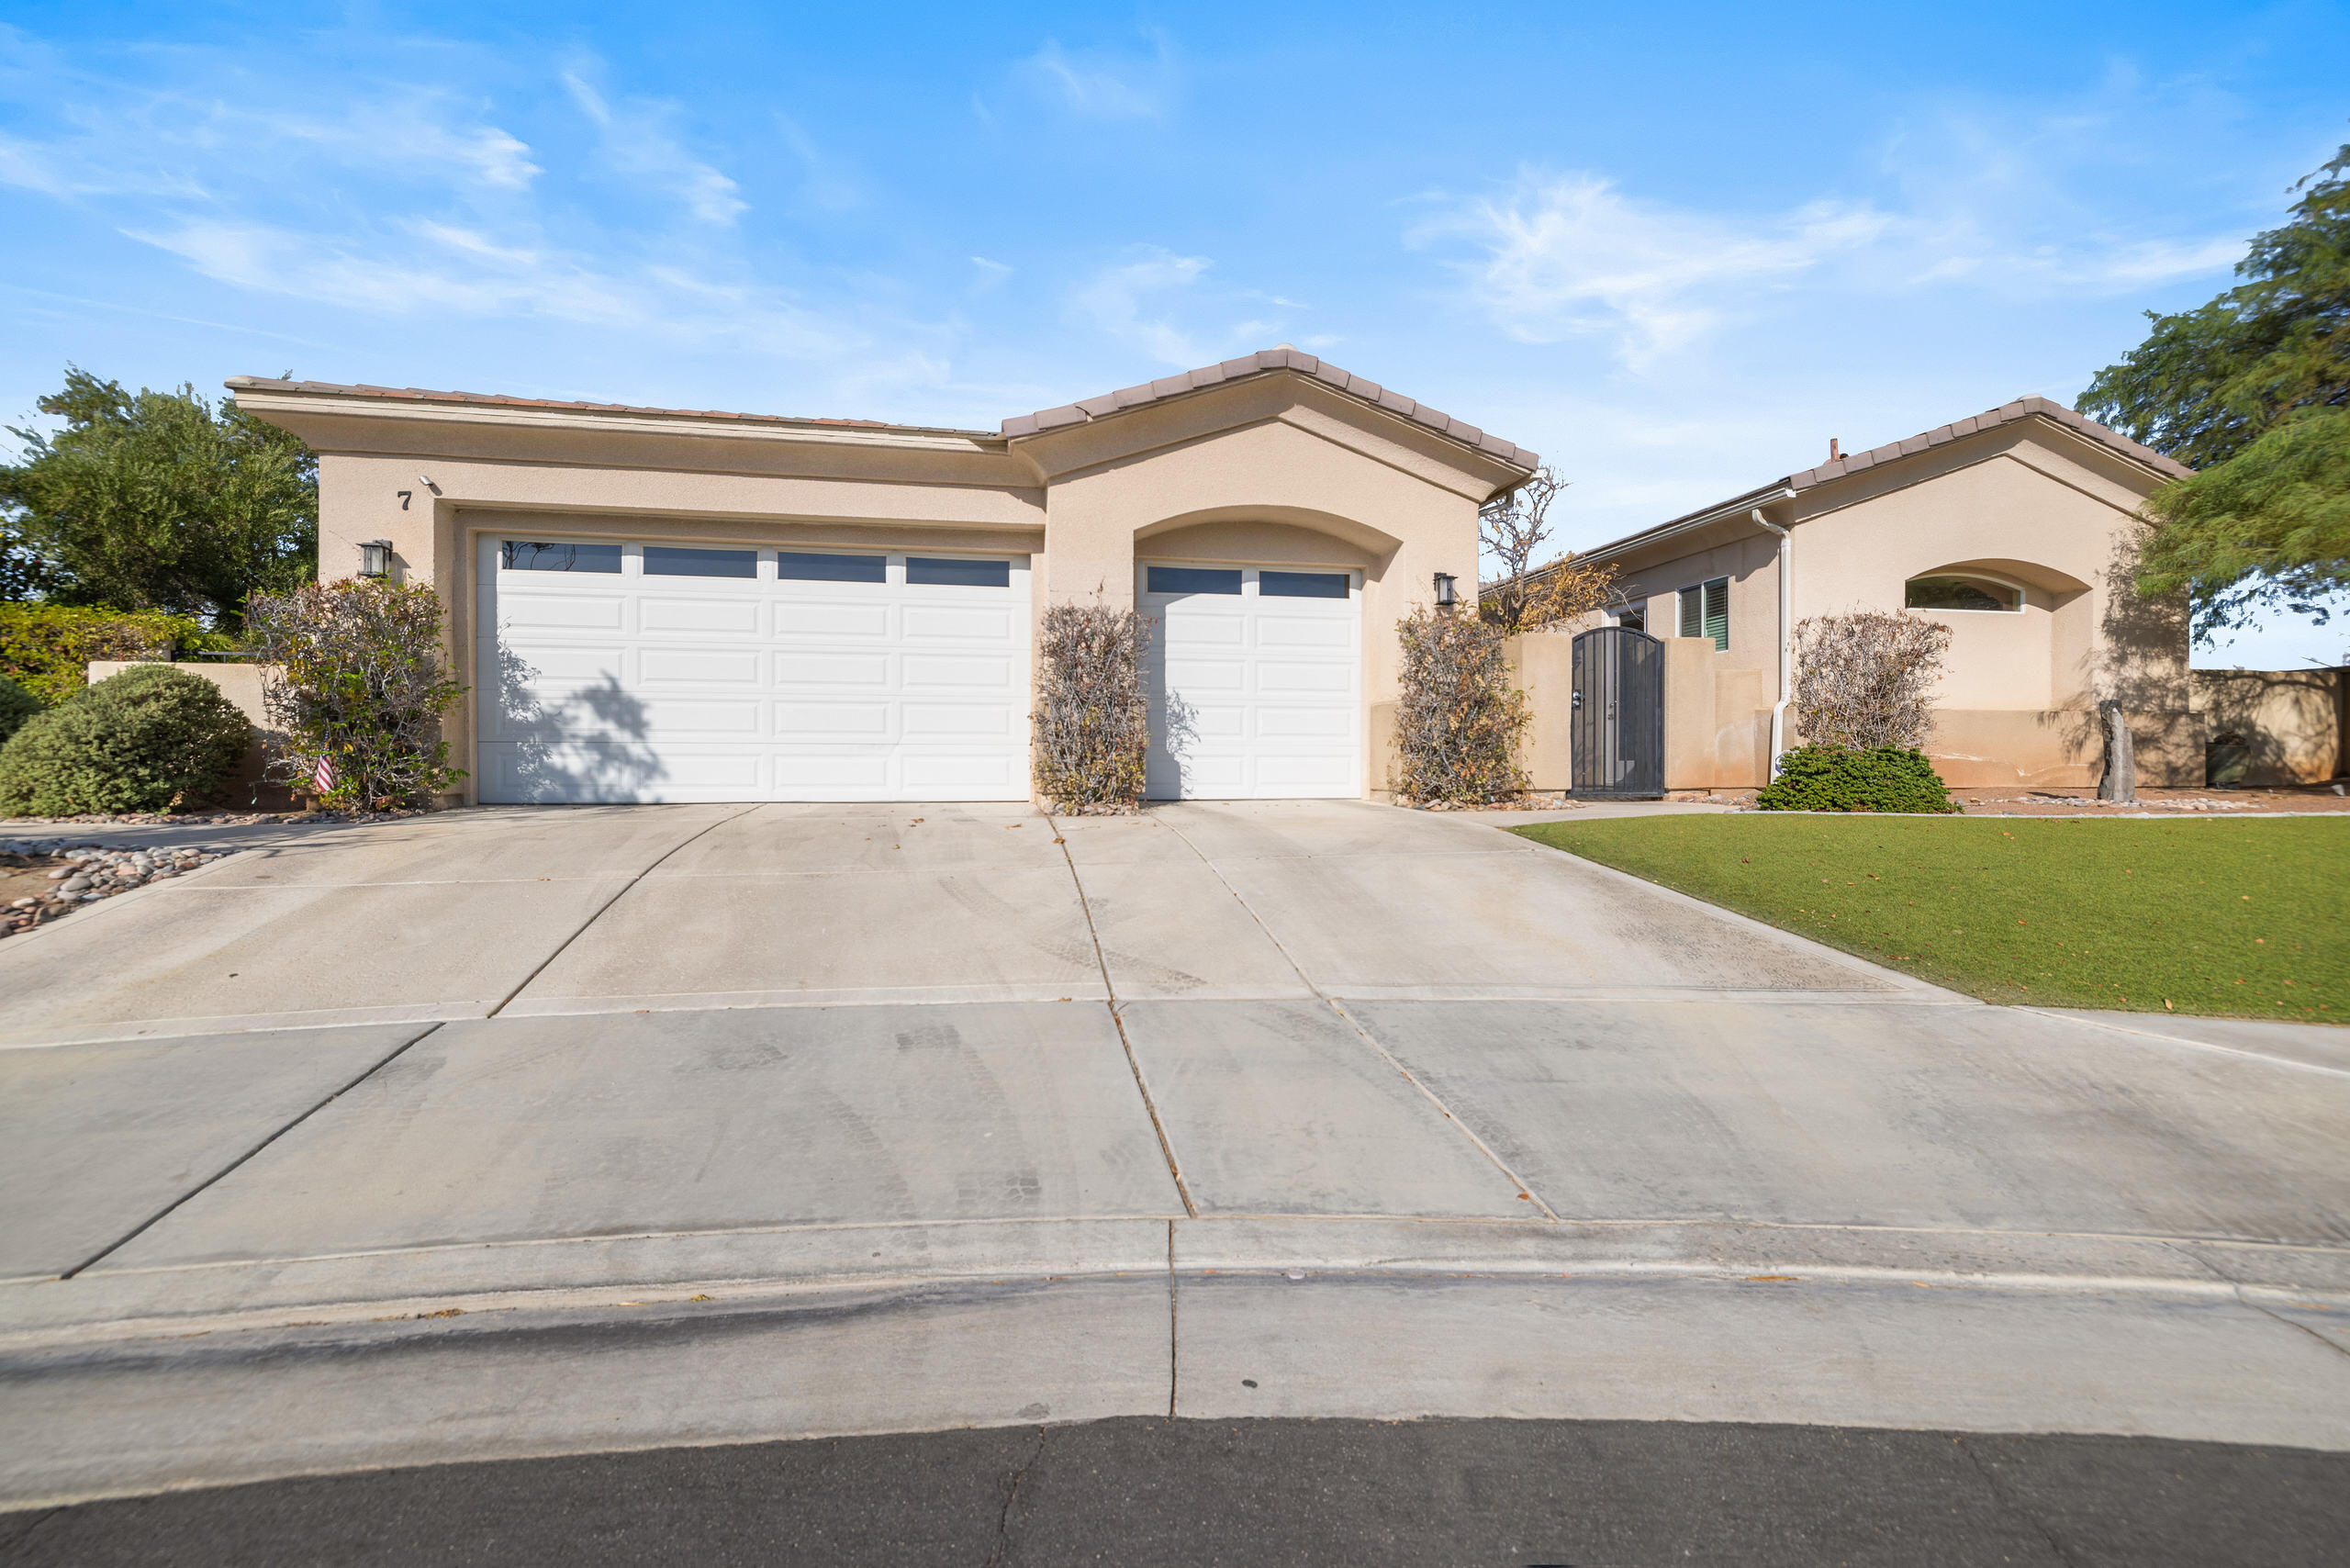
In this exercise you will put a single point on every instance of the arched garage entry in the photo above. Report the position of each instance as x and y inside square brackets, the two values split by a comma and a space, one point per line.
[1255, 665]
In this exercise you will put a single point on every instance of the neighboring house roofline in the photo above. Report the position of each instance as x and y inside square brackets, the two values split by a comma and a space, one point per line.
[1787, 487]
[1269, 362]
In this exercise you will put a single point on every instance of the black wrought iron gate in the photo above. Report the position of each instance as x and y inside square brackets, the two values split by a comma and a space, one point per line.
[1617, 731]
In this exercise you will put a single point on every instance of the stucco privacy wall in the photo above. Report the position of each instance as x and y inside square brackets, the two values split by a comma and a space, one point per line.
[2029, 495]
[1274, 459]
[2292, 721]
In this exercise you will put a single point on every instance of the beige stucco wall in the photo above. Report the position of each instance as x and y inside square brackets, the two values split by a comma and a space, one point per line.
[1541, 665]
[1271, 470]
[1716, 719]
[2028, 503]
[1280, 471]
[2292, 721]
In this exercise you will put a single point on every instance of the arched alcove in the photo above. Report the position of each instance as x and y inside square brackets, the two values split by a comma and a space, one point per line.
[1268, 535]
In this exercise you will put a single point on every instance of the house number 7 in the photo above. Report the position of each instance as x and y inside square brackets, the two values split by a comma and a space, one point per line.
[403, 495]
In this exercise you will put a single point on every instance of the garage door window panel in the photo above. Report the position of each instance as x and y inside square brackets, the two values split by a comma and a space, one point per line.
[678, 561]
[794, 565]
[532, 556]
[1194, 579]
[1301, 585]
[931, 571]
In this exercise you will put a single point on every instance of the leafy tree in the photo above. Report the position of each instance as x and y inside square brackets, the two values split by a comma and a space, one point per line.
[155, 501]
[2253, 390]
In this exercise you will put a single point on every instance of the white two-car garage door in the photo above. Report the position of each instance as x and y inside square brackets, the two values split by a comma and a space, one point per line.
[612, 671]
[1255, 677]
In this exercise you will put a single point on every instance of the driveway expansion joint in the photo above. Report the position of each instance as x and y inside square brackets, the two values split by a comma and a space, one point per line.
[167, 1210]
[1524, 1188]
[618, 893]
[1118, 1022]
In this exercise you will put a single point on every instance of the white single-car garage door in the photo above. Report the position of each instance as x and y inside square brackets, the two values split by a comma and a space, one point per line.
[1256, 682]
[624, 671]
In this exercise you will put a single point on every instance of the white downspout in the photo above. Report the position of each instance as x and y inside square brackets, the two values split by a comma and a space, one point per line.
[1786, 638]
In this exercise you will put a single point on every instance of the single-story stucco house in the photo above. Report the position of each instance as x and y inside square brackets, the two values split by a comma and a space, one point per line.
[2017, 528]
[658, 604]
[655, 604]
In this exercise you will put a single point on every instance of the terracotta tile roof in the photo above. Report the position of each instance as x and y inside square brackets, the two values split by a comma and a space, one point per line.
[1263, 363]
[1266, 363]
[2006, 413]
[415, 394]
[1855, 462]
[1940, 435]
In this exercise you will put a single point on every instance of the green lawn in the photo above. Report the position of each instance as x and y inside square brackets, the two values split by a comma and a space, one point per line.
[2245, 919]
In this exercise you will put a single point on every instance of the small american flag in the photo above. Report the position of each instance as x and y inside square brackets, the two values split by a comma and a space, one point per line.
[322, 776]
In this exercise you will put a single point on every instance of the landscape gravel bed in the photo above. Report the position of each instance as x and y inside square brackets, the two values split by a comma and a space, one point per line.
[45, 879]
[209, 819]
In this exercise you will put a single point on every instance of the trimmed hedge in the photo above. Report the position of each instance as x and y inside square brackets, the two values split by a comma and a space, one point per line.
[1837, 778]
[17, 705]
[48, 648]
[147, 740]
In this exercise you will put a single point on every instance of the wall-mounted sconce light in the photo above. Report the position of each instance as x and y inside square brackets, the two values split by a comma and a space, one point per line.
[375, 559]
[1444, 598]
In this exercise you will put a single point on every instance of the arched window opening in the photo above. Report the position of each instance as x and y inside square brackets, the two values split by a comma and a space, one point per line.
[1962, 593]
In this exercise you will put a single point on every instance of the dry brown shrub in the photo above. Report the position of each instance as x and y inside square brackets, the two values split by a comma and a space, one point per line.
[1862, 680]
[1092, 723]
[1458, 716]
[1513, 528]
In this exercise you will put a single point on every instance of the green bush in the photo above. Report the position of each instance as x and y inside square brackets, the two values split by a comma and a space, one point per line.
[355, 690]
[1838, 779]
[47, 648]
[17, 705]
[146, 740]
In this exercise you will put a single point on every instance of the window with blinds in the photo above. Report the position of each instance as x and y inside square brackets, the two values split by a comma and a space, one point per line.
[1705, 612]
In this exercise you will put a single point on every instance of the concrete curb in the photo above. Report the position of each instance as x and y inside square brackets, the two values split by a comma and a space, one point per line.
[192, 1406]
[118, 1305]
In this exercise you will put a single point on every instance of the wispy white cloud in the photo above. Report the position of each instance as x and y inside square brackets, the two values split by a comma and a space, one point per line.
[1551, 256]
[2034, 198]
[989, 275]
[1558, 255]
[406, 202]
[826, 182]
[1137, 302]
[197, 146]
[639, 145]
[1104, 83]
[443, 271]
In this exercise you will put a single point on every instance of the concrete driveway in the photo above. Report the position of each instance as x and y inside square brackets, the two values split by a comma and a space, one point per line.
[1027, 1080]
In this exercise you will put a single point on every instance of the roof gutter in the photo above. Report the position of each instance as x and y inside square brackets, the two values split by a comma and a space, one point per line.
[1745, 506]
[1786, 634]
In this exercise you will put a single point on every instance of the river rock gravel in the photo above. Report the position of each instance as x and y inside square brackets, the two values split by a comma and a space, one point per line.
[45, 879]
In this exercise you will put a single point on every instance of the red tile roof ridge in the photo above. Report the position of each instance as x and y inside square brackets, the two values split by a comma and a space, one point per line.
[1264, 361]
[1990, 419]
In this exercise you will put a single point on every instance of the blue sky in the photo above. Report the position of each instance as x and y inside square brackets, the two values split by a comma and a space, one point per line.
[1673, 249]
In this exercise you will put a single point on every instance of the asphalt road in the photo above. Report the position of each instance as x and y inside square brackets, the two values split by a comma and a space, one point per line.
[1138, 1492]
